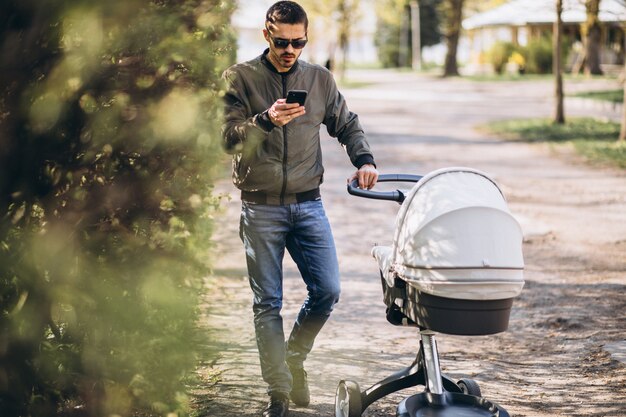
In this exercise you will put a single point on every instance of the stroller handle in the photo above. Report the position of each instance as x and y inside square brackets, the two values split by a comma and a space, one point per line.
[397, 195]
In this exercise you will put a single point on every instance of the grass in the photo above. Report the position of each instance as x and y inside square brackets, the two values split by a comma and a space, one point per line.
[614, 96]
[594, 139]
[530, 77]
[363, 65]
[353, 84]
[509, 77]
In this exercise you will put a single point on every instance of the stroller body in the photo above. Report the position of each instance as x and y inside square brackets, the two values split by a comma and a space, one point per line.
[454, 267]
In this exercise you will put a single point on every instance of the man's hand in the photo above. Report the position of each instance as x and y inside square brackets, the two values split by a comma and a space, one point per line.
[367, 176]
[282, 113]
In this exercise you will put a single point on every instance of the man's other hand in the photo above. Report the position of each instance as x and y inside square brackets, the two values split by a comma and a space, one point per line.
[282, 113]
[367, 176]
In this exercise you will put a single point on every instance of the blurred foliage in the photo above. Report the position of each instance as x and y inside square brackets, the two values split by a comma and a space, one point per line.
[594, 139]
[499, 55]
[390, 14]
[109, 129]
[519, 61]
[332, 21]
[538, 54]
[534, 58]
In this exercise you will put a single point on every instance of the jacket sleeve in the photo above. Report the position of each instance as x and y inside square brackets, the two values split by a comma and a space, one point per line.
[345, 126]
[240, 127]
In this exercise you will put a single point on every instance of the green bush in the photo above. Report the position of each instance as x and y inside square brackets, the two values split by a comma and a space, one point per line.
[387, 42]
[499, 55]
[109, 130]
[538, 54]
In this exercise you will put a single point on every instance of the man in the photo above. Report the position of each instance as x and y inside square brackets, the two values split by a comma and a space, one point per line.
[277, 165]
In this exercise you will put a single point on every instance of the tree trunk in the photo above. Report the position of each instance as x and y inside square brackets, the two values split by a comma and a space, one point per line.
[622, 133]
[454, 17]
[592, 38]
[416, 43]
[405, 28]
[348, 11]
[559, 114]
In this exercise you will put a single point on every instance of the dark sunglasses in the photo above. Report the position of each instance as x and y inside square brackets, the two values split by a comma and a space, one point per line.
[284, 43]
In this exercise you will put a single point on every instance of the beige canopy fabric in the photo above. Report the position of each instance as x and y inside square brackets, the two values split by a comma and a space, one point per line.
[455, 237]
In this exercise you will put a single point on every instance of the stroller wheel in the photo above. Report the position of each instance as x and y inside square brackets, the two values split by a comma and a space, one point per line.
[348, 400]
[469, 386]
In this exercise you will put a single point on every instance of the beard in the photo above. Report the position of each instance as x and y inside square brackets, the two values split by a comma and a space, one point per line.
[282, 60]
[288, 59]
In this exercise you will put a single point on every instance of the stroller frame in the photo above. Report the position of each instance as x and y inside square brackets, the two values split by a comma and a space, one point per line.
[442, 396]
[426, 363]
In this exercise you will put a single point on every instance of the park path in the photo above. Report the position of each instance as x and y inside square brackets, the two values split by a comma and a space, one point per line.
[561, 354]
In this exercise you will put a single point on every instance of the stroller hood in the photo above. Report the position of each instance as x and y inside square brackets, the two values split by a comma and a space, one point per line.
[455, 237]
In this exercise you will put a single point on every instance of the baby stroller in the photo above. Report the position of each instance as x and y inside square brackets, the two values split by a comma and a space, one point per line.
[454, 267]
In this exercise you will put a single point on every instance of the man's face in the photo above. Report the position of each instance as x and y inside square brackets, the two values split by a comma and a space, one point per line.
[284, 57]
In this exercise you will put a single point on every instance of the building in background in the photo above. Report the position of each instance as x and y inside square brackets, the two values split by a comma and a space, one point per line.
[519, 21]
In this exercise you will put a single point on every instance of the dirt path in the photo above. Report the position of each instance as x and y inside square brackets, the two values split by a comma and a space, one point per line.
[567, 330]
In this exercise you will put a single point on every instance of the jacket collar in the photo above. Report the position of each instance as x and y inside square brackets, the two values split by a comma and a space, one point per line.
[269, 65]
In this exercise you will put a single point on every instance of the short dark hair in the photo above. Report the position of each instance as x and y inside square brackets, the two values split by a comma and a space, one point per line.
[288, 12]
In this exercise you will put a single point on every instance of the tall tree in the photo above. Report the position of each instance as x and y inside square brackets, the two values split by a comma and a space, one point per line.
[559, 114]
[405, 38]
[452, 13]
[336, 18]
[592, 35]
[109, 132]
[416, 42]
[390, 15]
[622, 133]
[348, 12]
[322, 27]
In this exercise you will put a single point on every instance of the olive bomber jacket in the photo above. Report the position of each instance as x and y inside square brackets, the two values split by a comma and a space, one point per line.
[285, 160]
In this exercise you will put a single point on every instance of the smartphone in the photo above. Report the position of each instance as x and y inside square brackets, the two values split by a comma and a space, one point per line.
[297, 96]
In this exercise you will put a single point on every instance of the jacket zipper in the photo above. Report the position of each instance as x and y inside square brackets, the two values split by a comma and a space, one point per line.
[284, 188]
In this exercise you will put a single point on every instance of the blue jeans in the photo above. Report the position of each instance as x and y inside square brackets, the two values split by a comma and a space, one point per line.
[303, 229]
